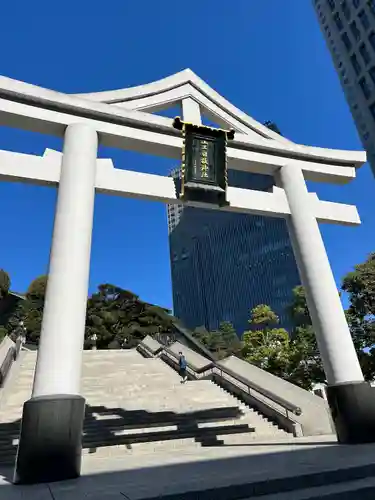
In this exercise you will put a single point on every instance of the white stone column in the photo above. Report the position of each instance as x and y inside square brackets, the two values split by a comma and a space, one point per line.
[336, 347]
[58, 368]
[191, 111]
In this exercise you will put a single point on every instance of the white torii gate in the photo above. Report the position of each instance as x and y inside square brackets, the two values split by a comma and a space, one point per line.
[50, 441]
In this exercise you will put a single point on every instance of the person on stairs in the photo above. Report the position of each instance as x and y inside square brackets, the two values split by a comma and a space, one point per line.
[182, 366]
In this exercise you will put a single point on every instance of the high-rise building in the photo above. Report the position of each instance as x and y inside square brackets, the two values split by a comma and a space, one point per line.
[223, 264]
[349, 30]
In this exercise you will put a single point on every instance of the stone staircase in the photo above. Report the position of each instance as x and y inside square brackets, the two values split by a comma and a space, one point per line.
[148, 437]
[138, 405]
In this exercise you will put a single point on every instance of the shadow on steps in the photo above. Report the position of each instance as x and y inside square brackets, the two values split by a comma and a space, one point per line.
[116, 426]
[103, 426]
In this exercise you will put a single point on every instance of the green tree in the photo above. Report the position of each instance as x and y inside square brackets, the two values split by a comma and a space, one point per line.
[264, 316]
[306, 366]
[293, 356]
[298, 308]
[203, 336]
[360, 287]
[117, 317]
[264, 344]
[37, 289]
[222, 342]
[230, 338]
[31, 313]
[114, 315]
[4, 283]
[3, 332]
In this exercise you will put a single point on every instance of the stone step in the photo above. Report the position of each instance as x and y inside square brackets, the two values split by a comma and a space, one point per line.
[165, 439]
[207, 481]
[363, 489]
[138, 406]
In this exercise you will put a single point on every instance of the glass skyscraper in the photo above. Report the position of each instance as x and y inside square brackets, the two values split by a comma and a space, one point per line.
[223, 264]
[348, 27]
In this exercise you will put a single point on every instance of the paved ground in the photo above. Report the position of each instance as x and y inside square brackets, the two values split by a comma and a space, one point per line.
[141, 476]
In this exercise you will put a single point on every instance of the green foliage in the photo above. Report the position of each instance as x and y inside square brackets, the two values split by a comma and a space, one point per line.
[222, 342]
[305, 365]
[37, 289]
[230, 339]
[3, 332]
[263, 315]
[264, 344]
[30, 312]
[4, 283]
[118, 317]
[294, 357]
[114, 315]
[360, 287]
[298, 309]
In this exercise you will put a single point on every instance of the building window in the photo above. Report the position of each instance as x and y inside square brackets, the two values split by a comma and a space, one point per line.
[354, 29]
[372, 110]
[362, 127]
[338, 21]
[345, 9]
[355, 64]
[346, 41]
[364, 53]
[331, 3]
[372, 74]
[364, 19]
[365, 87]
[371, 39]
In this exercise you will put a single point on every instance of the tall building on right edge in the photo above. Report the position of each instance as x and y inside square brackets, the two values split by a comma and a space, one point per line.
[349, 30]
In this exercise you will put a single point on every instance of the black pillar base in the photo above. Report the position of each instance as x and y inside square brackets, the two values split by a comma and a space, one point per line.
[353, 412]
[51, 439]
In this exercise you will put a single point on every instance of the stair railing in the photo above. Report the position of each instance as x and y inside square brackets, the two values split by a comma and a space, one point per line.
[11, 356]
[215, 371]
[6, 365]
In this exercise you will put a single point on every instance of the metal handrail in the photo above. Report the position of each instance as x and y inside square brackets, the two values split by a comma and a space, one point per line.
[296, 410]
[199, 371]
[19, 343]
[6, 364]
[264, 392]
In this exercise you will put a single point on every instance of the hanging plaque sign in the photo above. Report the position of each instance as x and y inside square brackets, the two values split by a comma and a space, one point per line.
[204, 163]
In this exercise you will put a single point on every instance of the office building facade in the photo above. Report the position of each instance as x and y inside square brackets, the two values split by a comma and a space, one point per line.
[223, 264]
[348, 27]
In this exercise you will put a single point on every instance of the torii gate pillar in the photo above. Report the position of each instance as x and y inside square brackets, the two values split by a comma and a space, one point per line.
[51, 433]
[352, 400]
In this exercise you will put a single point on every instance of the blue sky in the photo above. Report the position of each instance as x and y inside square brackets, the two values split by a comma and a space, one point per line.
[267, 57]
